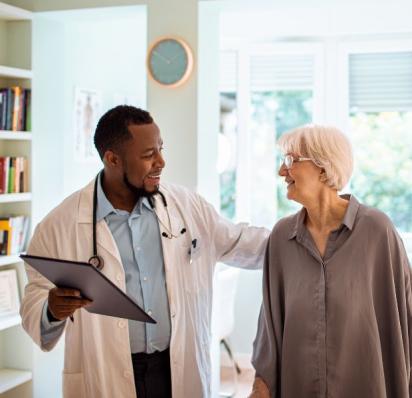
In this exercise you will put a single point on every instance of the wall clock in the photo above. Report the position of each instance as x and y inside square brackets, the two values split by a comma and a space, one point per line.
[170, 62]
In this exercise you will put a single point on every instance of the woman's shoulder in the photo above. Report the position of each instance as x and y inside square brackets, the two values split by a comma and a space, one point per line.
[374, 219]
[285, 226]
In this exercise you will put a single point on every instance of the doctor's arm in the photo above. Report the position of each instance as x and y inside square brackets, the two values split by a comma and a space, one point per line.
[41, 326]
[60, 305]
[239, 245]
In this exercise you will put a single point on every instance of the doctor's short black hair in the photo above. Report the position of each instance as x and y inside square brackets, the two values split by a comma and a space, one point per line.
[112, 129]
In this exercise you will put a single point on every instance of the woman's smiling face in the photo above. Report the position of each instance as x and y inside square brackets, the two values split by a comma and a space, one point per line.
[302, 179]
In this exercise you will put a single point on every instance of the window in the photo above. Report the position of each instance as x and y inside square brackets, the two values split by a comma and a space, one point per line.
[227, 145]
[380, 114]
[365, 88]
[281, 99]
[275, 89]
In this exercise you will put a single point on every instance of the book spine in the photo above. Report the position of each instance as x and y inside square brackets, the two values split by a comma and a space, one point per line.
[1, 108]
[16, 108]
[28, 111]
[12, 164]
[26, 175]
[17, 175]
[4, 111]
[2, 176]
[10, 99]
[6, 173]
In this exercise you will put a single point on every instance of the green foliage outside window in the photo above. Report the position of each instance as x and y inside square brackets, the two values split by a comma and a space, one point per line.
[383, 163]
[284, 110]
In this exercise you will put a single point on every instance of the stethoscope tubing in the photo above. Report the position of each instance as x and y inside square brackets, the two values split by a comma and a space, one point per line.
[96, 260]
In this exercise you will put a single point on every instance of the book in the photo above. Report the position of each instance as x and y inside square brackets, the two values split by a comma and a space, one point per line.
[15, 109]
[13, 234]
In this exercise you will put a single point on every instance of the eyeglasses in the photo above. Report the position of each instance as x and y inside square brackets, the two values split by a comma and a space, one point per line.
[289, 159]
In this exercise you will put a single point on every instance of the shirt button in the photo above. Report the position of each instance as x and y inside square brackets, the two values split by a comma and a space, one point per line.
[149, 312]
[145, 279]
[138, 248]
[127, 374]
[121, 324]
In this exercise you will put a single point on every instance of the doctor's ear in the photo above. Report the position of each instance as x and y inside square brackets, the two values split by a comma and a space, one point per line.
[111, 158]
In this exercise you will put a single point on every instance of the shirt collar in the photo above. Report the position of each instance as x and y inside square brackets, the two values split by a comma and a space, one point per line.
[104, 207]
[348, 219]
[351, 212]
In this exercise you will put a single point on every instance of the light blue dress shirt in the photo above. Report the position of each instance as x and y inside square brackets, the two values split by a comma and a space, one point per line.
[139, 242]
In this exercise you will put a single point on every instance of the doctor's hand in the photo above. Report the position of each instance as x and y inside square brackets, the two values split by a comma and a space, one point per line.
[64, 301]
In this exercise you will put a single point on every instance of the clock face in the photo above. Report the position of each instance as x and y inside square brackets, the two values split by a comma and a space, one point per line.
[170, 62]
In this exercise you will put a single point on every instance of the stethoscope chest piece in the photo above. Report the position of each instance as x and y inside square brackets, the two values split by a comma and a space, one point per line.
[97, 262]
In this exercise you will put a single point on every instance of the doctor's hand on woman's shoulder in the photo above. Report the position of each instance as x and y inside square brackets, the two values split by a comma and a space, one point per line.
[259, 389]
[63, 302]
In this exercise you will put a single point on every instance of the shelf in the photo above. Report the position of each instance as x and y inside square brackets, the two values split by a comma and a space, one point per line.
[15, 197]
[10, 13]
[10, 378]
[8, 321]
[7, 71]
[8, 260]
[15, 135]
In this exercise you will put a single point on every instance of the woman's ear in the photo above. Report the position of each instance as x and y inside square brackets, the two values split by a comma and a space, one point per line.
[322, 176]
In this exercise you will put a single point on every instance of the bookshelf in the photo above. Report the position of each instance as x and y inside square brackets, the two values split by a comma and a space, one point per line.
[16, 348]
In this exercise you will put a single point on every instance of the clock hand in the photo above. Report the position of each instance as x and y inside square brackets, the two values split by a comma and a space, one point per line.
[162, 57]
[173, 58]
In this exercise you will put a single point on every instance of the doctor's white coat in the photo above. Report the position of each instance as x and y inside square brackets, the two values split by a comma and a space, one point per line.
[97, 350]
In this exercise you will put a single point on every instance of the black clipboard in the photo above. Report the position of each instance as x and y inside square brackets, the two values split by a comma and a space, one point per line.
[107, 298]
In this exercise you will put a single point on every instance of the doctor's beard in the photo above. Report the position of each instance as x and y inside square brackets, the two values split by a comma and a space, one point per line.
[139, 192]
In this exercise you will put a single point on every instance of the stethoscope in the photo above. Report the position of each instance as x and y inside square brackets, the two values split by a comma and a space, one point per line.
[97, 261]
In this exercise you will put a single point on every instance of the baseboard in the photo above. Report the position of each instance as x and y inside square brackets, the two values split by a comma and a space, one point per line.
[243, 359]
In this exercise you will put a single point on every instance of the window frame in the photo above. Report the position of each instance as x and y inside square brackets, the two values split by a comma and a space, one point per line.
[359, 46]
[245, 50]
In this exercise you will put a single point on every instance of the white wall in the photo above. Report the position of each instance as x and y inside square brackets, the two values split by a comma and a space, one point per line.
[102, 49]
[175, 110]
[299, 18]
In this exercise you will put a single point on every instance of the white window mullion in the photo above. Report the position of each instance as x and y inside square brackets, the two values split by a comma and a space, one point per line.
[243, 175]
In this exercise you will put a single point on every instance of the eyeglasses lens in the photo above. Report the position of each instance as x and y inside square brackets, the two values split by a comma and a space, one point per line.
[288, 161]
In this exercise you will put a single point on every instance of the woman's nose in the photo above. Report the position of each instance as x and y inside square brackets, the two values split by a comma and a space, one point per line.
[283, 171]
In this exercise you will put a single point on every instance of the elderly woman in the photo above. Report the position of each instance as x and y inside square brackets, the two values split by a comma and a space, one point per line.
[336, 314]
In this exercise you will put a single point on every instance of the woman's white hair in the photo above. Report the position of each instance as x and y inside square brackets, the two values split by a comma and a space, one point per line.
[327, 146]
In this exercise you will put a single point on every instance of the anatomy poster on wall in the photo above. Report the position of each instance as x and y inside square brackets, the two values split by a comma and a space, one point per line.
[87, 111]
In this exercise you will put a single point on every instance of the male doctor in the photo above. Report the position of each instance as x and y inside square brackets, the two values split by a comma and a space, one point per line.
[159, 243]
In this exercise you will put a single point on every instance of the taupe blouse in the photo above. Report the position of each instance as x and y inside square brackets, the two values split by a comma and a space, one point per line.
[337, 326]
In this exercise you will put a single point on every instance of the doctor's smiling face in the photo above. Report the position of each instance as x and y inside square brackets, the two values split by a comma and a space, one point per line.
[130, 146]
[141, 158]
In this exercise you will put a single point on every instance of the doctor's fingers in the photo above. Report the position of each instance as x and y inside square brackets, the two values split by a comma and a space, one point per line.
[61, 309]
[71, 302]
[65, 291]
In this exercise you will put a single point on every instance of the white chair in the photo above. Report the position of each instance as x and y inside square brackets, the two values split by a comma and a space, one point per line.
[225, 285]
